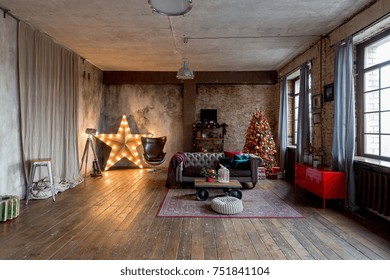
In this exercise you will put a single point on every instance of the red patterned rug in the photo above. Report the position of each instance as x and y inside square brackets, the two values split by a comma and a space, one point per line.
[182, 203]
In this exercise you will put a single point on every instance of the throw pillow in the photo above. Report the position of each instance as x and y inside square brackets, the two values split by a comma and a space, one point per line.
[227, 161]
[241, 162]
[232, 154]
[241, 157]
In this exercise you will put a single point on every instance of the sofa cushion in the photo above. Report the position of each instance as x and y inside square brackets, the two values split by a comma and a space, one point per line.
[241, 162]
[239, 172]
[226, 161]
[233, 172]
[192, 171]
[241, 157]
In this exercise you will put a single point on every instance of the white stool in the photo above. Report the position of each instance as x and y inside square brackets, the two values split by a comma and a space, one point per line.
[34, 165]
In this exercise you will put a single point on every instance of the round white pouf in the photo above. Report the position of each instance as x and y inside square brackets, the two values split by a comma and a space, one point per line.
[227, 205]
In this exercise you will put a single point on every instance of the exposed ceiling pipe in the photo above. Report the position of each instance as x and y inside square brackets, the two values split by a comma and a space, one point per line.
[173, 34]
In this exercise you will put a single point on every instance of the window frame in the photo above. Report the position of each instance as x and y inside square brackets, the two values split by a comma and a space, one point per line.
[360, 51]
[295, 95]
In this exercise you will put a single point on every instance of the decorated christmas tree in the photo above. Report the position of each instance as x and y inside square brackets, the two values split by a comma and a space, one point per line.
[259, 140]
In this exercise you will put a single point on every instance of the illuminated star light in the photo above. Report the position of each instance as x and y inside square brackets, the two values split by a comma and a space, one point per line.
[123, 144]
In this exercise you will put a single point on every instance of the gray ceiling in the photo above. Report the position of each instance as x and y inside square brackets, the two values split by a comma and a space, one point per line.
[224, 35]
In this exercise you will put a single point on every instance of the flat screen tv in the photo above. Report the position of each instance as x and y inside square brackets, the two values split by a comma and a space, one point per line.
[208, 115]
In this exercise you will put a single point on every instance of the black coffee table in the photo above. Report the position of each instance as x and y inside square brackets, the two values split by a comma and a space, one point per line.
[232, 188]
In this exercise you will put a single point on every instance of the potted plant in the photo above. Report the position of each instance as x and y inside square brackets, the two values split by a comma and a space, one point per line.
[209, 173]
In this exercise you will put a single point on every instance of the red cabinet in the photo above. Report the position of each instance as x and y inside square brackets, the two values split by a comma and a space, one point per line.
[324, 183]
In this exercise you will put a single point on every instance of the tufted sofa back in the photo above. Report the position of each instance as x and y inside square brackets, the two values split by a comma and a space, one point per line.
[202, 159]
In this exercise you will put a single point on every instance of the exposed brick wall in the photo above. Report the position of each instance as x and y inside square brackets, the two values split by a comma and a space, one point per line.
[328, 107]
[236, 104]
[322, 56]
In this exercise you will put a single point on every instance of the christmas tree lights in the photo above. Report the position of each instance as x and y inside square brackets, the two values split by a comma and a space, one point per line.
[259, 141]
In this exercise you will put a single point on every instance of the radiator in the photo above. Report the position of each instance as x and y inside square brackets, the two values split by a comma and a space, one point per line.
[373, 188]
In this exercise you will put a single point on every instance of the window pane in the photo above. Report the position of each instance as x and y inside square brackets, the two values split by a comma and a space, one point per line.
[385, 76]
[296, 101]
[296, 86]
[385, 99]
[371, 101]
[385, 145]
[376, 98]
[371, 144]
[371, 123]
[296, 113]
[371, 80]
[377, 52]
[385, 122]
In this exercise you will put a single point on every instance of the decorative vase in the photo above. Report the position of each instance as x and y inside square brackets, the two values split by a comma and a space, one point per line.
[209, 179]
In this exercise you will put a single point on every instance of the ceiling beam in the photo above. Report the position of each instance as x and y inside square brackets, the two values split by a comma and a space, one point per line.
[201, 77]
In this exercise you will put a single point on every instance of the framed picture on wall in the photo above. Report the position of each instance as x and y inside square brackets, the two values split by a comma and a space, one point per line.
[316, 102]
[328, 93]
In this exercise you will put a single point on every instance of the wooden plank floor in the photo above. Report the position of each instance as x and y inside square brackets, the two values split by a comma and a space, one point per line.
[113, 217]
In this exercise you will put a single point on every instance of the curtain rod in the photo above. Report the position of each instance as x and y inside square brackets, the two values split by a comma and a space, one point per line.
[5, 13]
[254, 37]
[361, 30]
[8, 12]
[310, 60]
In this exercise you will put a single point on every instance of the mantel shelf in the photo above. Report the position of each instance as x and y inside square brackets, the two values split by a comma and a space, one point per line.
[208, 139]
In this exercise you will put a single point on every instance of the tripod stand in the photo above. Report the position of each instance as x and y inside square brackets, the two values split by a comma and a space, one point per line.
[95, 164]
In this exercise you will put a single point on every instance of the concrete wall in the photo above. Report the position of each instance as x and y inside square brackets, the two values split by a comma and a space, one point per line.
[90, 106]
[149, 109]
[235, 106]
[11, 168]
[322, 56]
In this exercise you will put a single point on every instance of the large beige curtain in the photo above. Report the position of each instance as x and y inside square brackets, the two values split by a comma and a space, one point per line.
[48, 80]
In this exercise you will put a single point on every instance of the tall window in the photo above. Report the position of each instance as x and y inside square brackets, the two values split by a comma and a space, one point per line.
[294, 81]
[374, 85]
